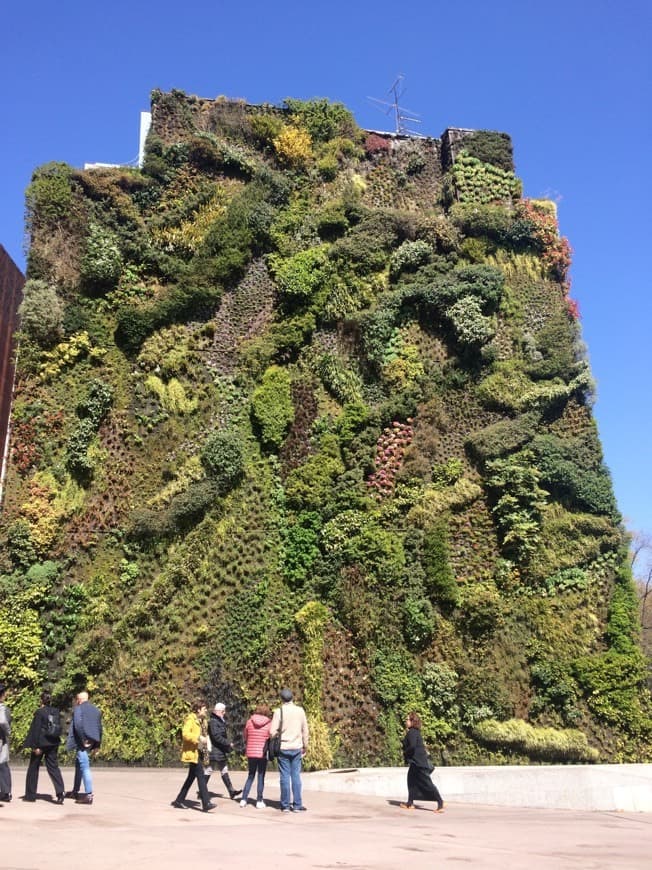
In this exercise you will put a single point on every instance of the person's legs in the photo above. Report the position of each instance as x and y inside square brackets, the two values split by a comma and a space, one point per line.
[284, 764]
[411, 776]
[262, 767]
[190, 778]
[31, 780]
[252, 764]
[295, 776]
[52, 765]
[438, 798]
[203, 788]
[226, 779]
[84, 762]
[5, 781]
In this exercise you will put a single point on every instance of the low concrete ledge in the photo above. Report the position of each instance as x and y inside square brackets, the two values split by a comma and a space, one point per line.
[626, 787]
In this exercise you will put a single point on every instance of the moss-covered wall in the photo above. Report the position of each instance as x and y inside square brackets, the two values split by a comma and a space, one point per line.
[310, 407]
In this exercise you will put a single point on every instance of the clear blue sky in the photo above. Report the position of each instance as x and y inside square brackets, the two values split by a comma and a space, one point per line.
[570, 80]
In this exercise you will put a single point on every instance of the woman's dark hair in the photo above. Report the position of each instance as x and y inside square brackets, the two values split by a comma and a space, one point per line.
[197, 704]
[415, 720]
[263, 710]
[45, 699]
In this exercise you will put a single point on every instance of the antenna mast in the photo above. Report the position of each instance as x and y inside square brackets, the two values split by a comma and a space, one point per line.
[401, 115]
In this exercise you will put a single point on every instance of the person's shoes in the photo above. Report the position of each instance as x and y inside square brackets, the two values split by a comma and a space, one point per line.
[243, 803]
[233, 794]
[72, 795]
[179, 805]
[299, 809]
[30, 799]
[406, 806]
[260, 805]
[208, 807]
[439, 809]
[85, 798]
[5, 797]
[285, 810]
[60, 798]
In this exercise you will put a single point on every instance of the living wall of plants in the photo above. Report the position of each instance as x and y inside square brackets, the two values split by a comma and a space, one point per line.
[298, 404]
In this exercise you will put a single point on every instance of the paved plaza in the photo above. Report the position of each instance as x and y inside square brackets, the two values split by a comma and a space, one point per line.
[131, 824]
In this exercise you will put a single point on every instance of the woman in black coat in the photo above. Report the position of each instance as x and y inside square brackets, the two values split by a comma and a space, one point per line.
[419, 783]
[43, 739]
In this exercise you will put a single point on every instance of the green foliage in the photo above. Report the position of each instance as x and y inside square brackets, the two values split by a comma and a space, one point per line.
[301, 548]
[222, 457]
[623, 620]
[480, 609]
[613, 685]
[366, 247]
[49, 196]
[573, 470]
[309, 487]
[471, 327]
[355, 538]
[172, 395]
[439, 682]
[419, 623]
[396, 681]
[518, 503]
[271, 405]
[440, 580]
[41, 313]
[188, 508]
[489, 220]
[479, 182]
[556, 691]
[303, 275]
[340, 380]
[567, 580]
[447, 473]
[323, 120]
[547, 744]
[429, 470]
[409, 256]
[91, 411]
[503, 437]
[101, 263]
[491, 147]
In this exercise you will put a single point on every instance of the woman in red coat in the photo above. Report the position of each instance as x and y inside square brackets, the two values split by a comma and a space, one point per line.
[256, 735]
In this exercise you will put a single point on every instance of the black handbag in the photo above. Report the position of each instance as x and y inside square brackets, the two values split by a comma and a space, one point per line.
[274, 743]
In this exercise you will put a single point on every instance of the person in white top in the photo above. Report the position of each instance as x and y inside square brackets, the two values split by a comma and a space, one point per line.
[291, 721]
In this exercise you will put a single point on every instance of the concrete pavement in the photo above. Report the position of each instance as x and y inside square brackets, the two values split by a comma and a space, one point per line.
[131, 824]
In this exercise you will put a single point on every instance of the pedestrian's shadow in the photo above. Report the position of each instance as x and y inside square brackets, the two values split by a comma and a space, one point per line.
[48, 798]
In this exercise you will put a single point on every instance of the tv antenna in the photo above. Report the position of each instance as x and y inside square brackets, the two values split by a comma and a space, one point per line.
[402, 116]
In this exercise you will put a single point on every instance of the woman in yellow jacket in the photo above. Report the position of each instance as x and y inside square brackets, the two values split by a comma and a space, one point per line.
[193, 742]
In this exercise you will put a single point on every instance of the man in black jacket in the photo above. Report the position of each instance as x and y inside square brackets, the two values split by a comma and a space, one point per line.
[84, 737]
[221, 746]
[43, 739]
[5, 734]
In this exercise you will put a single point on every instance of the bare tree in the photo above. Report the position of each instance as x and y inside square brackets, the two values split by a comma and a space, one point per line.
[641, 562]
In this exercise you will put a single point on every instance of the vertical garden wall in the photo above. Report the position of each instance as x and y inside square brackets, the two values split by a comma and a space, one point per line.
[301, 404]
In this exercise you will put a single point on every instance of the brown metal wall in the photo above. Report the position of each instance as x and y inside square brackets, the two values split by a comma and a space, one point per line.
[11, 286]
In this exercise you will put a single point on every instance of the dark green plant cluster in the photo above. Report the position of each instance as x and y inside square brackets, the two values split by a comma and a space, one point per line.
[291, 409]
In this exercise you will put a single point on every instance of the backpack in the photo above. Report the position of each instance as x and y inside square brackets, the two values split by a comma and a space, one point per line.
[52, 725]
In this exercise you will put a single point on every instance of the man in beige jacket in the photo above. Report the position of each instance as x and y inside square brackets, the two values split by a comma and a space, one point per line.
[291, 721]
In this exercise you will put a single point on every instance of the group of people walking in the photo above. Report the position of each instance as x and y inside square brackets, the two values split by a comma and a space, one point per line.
[44, 739]
[205, 743]
[282, 734]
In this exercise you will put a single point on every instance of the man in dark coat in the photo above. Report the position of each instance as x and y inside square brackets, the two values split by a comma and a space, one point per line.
[85, 737]
[221, 746]
[43, 739]
[5, 734]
